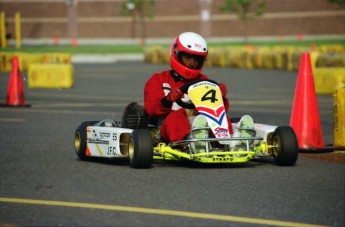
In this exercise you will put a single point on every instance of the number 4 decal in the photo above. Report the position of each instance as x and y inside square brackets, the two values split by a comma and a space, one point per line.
[210, 95]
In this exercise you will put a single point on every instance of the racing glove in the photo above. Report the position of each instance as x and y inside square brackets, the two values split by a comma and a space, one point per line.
[174, 95]
[223, 89]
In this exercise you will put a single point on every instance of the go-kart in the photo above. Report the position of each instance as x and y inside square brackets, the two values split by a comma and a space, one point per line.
[136, 137]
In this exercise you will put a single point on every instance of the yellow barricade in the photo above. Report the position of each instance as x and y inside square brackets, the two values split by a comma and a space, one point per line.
[148, 54]
[212, 51]
[166, 55]
[221, 58]
[247, 57]
[266, 58]
[331, 57]
[26, 59]
[50, 76]
[63, 58]
[6, 61]
[280, 57]
[210, 56]
[327, 80]
[235, 57]
[339, 118]
[154, 54]
[336, 48]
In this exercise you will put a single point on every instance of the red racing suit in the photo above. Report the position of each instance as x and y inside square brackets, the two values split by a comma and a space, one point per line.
[175, 126]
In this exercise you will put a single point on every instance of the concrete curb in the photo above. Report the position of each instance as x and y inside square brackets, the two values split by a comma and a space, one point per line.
[106, 58]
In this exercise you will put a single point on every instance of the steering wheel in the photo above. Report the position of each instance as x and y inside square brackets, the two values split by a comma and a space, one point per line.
[184, 89]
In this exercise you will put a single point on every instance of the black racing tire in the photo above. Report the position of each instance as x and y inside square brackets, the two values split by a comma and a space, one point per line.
[80, 140]
[140, 149]
[286, 151]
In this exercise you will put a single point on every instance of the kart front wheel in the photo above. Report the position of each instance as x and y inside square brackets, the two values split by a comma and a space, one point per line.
[285, 146]
[140, 149]
[80, 140]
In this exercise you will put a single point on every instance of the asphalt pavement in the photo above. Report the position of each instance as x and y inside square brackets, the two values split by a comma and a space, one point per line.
[43, 183]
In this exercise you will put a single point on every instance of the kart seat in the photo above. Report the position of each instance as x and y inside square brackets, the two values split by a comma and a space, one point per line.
[134, 117]
[155, 122]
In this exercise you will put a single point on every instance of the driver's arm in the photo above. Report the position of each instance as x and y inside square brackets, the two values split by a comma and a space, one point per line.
[153, 95]
[224, 91]
[226, 103]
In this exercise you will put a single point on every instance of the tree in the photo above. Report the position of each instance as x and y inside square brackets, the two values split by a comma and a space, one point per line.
[246, 10]
[139, 9]
[341, 3]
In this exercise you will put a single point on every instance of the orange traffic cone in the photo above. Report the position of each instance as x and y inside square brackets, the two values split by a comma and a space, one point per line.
[15, 93]
[305, 118]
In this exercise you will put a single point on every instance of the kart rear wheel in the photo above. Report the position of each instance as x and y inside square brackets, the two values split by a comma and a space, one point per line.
[80, 140]
[140, 149]
[285, 150]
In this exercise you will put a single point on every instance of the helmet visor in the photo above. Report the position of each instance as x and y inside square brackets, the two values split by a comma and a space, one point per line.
[190, 60]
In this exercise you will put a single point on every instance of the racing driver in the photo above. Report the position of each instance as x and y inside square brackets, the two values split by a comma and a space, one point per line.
[187, 56]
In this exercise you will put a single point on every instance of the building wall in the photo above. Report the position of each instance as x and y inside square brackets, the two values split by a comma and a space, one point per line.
[102, 19]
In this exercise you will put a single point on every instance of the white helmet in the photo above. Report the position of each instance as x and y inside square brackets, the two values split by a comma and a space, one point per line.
[192, 44]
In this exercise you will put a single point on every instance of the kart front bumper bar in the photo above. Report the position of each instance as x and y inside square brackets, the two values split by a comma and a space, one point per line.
[164, 152]
[214, 140]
